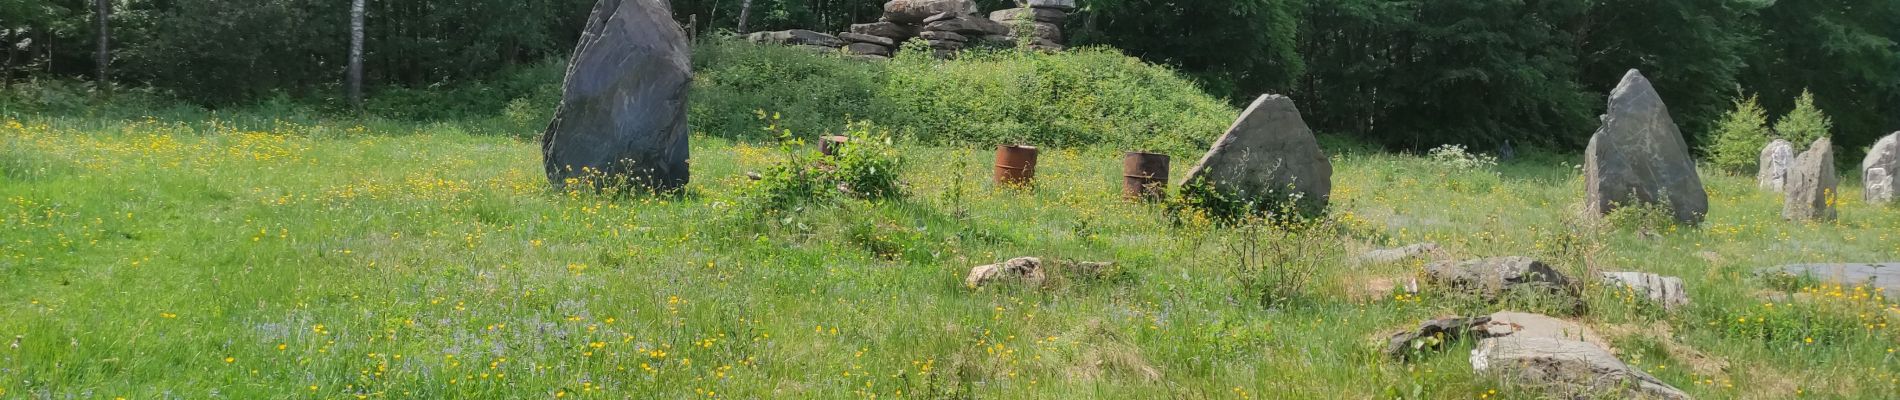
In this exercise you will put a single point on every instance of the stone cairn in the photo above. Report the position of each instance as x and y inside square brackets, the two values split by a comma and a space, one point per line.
[948, 26]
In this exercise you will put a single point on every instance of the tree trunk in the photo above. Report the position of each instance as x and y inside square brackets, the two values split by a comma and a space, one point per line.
[102, 10]
[6, 71]
[356, 54]
[745, 12]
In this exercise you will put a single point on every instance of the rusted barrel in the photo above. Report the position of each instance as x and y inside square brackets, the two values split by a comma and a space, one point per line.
[1015, 165]
[829, 145]
[1144, 176]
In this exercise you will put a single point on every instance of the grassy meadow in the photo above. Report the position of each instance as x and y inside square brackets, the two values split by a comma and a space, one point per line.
[151, 258]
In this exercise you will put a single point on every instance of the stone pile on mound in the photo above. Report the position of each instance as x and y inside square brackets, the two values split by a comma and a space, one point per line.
[947, 26]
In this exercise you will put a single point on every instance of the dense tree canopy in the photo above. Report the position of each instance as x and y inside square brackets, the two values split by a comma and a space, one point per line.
[1405, 73]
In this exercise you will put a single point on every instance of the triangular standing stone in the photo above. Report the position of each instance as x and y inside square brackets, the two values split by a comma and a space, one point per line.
[1639, 157]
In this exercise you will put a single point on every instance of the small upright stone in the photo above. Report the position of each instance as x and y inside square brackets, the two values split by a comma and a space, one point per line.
[1269, 155]
[1638, 157]
[1775, 160]
[1880, 171]
[622, 118]
[1812, 184]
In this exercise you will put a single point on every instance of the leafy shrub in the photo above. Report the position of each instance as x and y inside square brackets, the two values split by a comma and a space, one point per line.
[1805, 124]
[867, 167]
[1455, 157]
[811, 92]
[1276, 261]
[869, 163]
[1642, 218]
[1740, 137]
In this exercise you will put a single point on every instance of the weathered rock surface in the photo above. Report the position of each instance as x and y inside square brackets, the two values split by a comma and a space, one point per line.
[623, 105]
[1667, 291]
[915, 11]
[1812, 184]
[854, 37]
[1027, 270]
[1008, 15]
[796, 37]
[1567, 368]
[1525, 325]
[894, 31]
[967, 25]
[1392, 255]
[1639, 157]
[1064, 5]
[1491, 277]
[1047, 31]
[1878, 275]
[1880, 171]
[949, 45]
[943, 36]
[867, 49]
[1268, 155]
[1775, 160]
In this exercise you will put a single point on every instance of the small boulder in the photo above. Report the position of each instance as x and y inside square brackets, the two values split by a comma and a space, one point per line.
[1880, 171]
[1269, 155]
[855, 37]
[1392, 255]
[893, 31]
[1812, 185]
[1064, 5]
[1492, 277]
[1009, 15]
[1775, 160]
[915, 11]
[1027, 270]
[967, 25]
[1665, 290]
[796, 37]
[1639, 157]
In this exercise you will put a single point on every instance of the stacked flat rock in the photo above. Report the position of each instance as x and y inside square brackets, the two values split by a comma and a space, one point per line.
[1040, 19]
[949, 32]
[800, 38]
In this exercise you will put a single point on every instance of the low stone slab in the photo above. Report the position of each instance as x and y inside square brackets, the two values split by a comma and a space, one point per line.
[1064, 5]
[1667, 291]
[1879, 275]
[1491, 277]
[1027, 270]
[1392, 255]
[1567, 368]
[1049, 15]
[867, 49]
[1432, 336]
[894, 31]
[855, 37]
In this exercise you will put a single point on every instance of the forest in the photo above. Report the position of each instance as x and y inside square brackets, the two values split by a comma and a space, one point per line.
[1409, 74]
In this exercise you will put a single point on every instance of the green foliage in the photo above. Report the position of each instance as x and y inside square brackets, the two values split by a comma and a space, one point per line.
[866, 167]
[1737, 142]
[1238, 49]
[1845, 51]
[811, 92]
[1651, 218]
[868, 164]
[1456, 157]
[1276, 261]
[1805, 124]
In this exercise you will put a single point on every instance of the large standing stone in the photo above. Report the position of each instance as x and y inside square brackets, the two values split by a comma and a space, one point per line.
[623, 108]
[1639, 157]
[915, 11]
[1812, 184]
[1775, 160]
[1268, 155]
[1880, 171]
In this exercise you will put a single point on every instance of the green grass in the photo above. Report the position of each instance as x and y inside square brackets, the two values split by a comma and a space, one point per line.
[320, 259]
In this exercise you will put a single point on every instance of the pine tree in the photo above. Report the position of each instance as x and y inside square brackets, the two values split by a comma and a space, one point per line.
[1805, 124]
[1740, 136]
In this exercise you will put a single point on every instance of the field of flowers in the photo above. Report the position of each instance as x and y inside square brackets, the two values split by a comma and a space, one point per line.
[216, 259]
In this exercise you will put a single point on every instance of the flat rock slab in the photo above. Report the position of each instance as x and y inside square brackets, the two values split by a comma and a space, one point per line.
[1880, 171]
[1269, 155]
[1567, 368]
[1527, 325]
[1639, 157]
[914, 12]
[622, 118]
[1881, 275]
[796, 37]
[1667, 291]
[1396, 254]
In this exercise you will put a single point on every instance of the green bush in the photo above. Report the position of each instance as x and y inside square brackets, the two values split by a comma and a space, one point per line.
[1805, 124]
[812, 92]
[1740, 136]
[867, 167]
